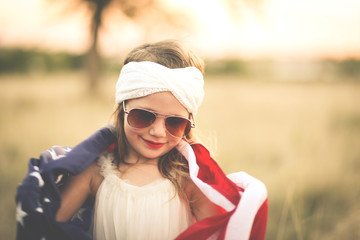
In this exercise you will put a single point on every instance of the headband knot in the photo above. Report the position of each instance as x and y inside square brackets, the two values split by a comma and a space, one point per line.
[139, 79]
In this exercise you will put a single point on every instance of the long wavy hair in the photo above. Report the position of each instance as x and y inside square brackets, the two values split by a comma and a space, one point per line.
[171, 54]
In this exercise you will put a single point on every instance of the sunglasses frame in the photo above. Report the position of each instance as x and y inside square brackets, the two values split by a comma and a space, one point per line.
[192, 124]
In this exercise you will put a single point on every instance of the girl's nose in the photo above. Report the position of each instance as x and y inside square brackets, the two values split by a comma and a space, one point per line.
[158, 128]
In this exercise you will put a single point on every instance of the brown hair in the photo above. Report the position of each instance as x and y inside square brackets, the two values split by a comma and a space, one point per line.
[171, 54]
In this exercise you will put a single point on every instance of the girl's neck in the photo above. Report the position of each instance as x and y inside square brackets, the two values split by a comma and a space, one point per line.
[134, 158]
[139, 172]
[141, 161]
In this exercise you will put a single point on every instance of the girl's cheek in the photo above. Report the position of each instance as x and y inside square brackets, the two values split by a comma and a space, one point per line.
[133, 133]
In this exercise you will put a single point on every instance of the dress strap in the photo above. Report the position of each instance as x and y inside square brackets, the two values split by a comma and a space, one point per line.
[107, 165]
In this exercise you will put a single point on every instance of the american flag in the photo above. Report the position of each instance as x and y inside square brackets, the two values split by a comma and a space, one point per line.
[38, 198]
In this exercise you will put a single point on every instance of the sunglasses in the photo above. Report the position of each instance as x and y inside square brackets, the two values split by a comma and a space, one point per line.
[141, 118]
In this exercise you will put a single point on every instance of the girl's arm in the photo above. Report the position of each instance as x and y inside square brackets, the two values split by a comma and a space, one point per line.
[200, 205]
[77, 190]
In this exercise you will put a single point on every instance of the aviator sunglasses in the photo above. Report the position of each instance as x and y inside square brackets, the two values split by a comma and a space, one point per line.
[141, 118]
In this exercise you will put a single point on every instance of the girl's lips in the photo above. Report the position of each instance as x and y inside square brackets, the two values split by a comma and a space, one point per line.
[152, 144]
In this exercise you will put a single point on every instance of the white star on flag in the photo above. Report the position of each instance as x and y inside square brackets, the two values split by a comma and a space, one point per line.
[20, 214]
[79, 214]
[54, 155]
[39, 209]
[38, 176]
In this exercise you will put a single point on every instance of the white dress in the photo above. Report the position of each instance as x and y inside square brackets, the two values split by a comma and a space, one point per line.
[127, 212]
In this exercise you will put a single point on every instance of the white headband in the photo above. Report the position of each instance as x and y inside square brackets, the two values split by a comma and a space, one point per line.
[139, 79]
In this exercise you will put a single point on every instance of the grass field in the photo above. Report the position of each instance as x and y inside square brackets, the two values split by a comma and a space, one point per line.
[301, 139]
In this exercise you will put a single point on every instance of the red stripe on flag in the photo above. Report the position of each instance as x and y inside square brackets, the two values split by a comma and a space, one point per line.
[211, 173]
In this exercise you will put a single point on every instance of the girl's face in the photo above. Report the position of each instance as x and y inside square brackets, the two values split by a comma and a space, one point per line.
[153, 141]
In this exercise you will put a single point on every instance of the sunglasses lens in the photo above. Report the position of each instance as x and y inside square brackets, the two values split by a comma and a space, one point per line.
[177, 126]
[139, 118]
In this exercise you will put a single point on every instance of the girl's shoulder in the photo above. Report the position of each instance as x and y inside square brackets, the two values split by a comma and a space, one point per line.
[190, 189]
[200, 205]
[94, 176]
[96, 172]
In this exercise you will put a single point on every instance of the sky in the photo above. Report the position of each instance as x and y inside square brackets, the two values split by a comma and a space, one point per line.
[280, 29]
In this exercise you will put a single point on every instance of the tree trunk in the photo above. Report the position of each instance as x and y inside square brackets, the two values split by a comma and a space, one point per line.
[93, 65]
[93, 58]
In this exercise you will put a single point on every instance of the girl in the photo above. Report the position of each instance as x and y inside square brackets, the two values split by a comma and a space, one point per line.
[148, 184]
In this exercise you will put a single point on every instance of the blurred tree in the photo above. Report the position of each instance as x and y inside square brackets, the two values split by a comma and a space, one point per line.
[93, 58]
[350, 68]
[149, 13]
